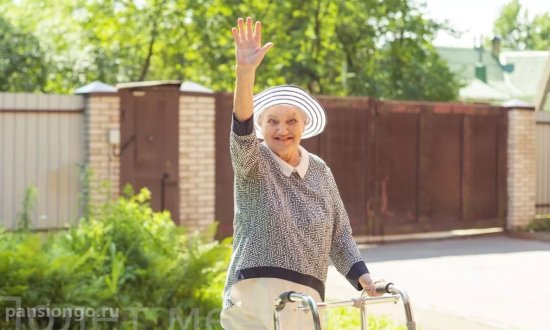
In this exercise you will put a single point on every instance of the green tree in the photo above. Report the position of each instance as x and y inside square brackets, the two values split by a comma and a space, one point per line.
[54, 23]
[519, 31]
[541, 31]
[368, 47]
[111, 41]
[355, 47]
[22, 64]
[388, 52]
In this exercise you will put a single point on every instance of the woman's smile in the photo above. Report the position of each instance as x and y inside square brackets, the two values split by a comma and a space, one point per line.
[283, 139]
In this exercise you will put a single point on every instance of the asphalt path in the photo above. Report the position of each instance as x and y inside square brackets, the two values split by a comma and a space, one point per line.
[479, 283]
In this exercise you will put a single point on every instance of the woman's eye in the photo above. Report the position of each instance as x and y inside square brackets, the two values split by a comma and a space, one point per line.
[272, 121]
[292, 121]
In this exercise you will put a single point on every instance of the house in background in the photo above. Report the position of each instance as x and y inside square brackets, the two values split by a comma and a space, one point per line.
[495, 76]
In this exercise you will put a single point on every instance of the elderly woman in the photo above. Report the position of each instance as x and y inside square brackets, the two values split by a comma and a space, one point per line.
[289, 217]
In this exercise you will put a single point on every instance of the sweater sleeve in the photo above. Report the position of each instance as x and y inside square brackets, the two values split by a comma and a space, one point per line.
[344, 252]
[244, 149]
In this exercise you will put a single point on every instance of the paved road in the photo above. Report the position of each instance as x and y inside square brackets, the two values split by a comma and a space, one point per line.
[482, 283]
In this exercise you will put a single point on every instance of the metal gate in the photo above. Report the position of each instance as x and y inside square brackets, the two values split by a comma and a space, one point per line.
[438, 167]
[149, 142]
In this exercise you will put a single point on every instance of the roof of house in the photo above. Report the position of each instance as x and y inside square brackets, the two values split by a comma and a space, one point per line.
[96, 87]
[511, 75]
[479, 91]
[528, 68]
[463, 61]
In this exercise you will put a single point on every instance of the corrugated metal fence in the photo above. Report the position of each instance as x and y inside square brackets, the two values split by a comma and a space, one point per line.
[543, 163]
[41, 145]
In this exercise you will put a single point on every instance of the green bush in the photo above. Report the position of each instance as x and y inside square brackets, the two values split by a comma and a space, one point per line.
[153, 274]
[540, 224]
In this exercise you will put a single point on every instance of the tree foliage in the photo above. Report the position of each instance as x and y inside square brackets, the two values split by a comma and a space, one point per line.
[380, 48]
[521, 32]
[22, 64]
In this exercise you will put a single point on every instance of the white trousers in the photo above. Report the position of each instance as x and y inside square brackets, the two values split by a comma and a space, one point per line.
[254, 300]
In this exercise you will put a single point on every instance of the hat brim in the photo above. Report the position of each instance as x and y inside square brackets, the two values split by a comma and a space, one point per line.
[296, 96]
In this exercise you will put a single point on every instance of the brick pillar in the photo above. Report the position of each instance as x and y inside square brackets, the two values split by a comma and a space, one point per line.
[101, 129]
[521, 167]
[197, 159]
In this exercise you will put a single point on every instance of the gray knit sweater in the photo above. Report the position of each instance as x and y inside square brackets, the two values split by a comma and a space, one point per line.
[286, 227]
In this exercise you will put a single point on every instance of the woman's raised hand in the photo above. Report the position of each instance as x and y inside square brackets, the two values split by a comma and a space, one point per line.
[249, 51]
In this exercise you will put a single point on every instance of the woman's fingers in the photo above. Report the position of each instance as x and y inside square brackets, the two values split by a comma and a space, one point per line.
[264, 50]
[246, 32]
[240, 26]
[370, 287]
[369, 284]
[258, 33]
[249, 28]
[236, 35]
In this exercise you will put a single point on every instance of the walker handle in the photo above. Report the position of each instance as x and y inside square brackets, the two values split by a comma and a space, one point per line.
[383, 287]
[283, 299]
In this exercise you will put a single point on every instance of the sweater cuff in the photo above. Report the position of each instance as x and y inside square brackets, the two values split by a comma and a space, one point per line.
[243, 128]
[357, 270]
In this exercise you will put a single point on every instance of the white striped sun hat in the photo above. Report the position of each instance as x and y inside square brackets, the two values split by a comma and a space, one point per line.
[296, 96]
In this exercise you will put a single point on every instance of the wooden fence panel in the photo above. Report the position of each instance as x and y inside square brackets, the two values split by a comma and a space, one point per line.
[224, 170]
[440, 165]
[396, 168]
[482, 179]
[346, 154]
[401, 167]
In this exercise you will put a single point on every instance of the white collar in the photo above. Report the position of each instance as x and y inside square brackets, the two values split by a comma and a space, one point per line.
[286, 168]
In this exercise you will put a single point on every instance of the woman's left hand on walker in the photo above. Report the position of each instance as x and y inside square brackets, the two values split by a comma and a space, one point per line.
[367, 282]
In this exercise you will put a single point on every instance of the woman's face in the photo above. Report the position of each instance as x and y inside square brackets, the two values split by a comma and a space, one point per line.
[282, 128]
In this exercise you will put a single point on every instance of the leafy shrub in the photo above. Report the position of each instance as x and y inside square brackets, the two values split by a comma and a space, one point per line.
[125, 256]
[540, 224]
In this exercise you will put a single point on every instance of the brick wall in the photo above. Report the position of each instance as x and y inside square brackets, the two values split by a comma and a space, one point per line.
[197, 160]
[102, 114]
[521, 167]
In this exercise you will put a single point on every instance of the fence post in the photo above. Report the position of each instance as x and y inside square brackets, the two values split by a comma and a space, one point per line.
[197, 155]
[521, 167]
[102, 140]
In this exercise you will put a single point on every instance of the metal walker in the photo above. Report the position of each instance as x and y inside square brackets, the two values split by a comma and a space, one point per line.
[394, 294]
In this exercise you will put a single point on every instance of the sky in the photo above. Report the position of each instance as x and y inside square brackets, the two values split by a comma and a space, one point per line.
[474, 17]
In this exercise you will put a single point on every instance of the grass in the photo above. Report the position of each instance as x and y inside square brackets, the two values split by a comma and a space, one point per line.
[350, 318]
[541, 223]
